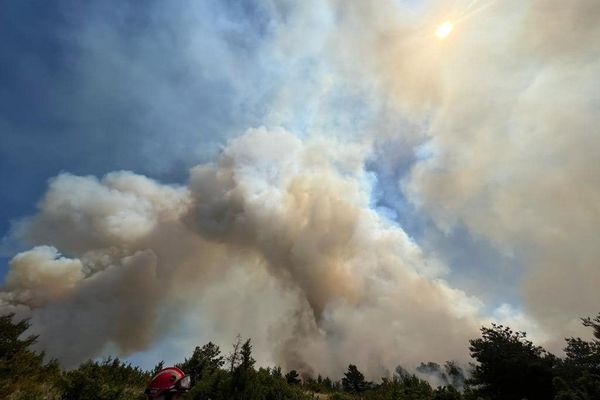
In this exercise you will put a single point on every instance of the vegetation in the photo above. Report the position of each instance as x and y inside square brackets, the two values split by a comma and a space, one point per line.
[110, 379]
[510, 366]
[506, 366]
[23, 374]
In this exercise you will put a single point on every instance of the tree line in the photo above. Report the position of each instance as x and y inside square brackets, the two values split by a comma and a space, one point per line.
[506, 365]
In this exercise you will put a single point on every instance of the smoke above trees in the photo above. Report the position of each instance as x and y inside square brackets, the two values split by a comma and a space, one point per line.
[277, 236]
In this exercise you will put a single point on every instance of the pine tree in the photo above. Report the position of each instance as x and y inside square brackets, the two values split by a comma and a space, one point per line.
[247, 362]
[204, 361]
[292, 377]
[510, 367]
[354, 381]
[23, 370]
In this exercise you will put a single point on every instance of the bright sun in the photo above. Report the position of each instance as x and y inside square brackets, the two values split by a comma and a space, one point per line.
[444, 30]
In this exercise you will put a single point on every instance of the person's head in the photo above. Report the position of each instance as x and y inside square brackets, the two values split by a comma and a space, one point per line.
[167, 384]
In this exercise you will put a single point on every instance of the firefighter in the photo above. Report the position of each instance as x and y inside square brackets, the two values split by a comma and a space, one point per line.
[168, 384]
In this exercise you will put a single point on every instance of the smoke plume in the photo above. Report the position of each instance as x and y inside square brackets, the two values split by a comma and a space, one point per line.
[142, 255]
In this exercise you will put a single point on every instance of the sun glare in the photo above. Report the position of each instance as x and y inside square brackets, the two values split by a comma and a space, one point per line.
[444, 30]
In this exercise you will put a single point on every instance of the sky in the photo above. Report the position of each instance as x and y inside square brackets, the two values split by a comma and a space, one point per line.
[340, 181]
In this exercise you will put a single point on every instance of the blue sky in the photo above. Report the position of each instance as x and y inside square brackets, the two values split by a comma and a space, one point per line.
[72, 103]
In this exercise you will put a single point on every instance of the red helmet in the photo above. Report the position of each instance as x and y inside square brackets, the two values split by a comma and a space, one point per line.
[168, 380]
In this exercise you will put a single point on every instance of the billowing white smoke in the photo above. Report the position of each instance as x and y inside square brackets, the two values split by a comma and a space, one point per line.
[143, 255]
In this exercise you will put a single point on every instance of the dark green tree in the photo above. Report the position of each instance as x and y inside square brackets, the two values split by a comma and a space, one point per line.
[510, 367]
[234, 357]
[243, 378]
[446, 393]
[292, 377]
[354, 381]
[580, 371]
[22, 371]
[205, 360]
[109, 379]
[319, 385]
[455, 375]
[243, 382]
[214, 386]
[157, 368]
[247, 362]
[401, 386]
[409, 386]
[276, 372]
[582, 355]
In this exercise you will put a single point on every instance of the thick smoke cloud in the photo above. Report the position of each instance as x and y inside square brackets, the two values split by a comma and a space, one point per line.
[39, 276]
[508, 146]
[296, 212]
[512, 103]
[513, 153]
[277, 237]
